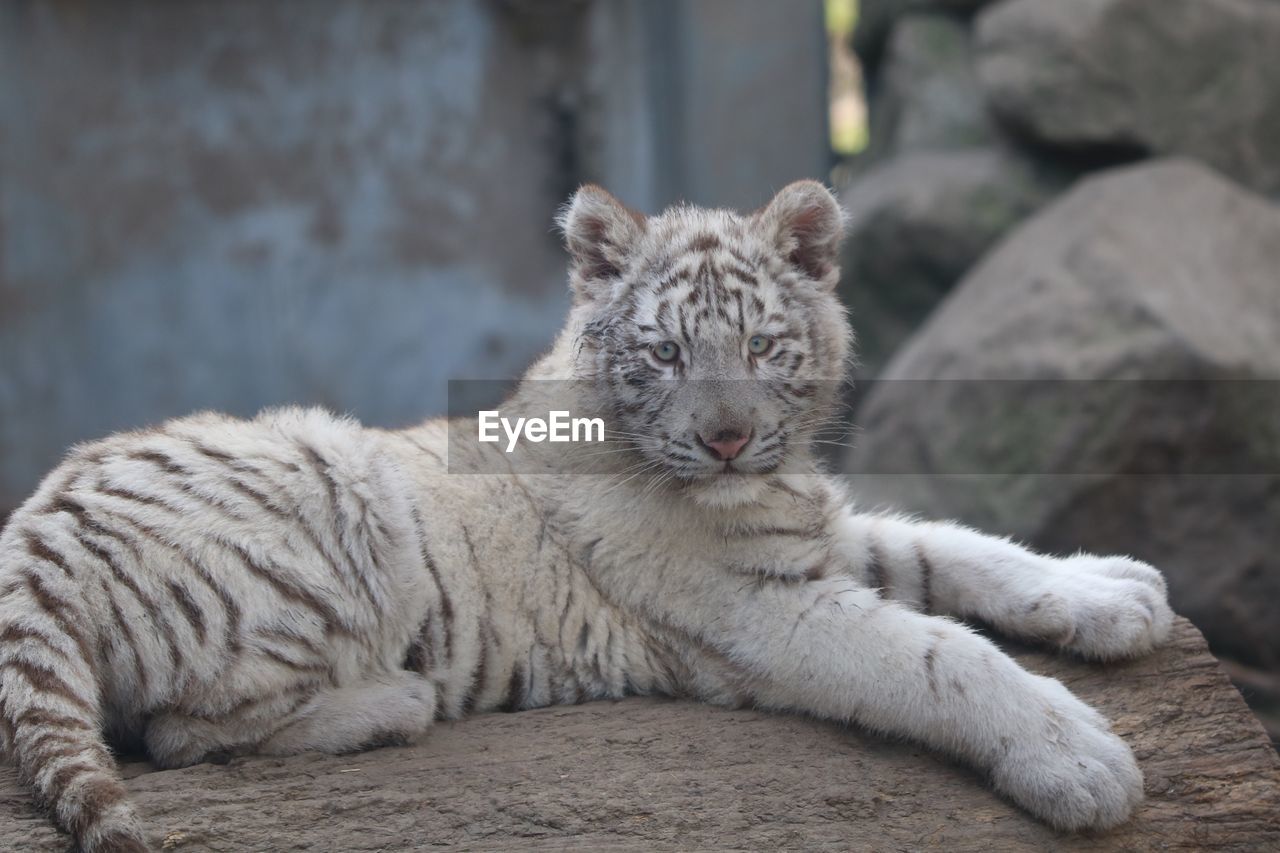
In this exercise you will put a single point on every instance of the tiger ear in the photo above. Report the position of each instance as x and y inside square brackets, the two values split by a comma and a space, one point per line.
[807, 224]
[600, 233]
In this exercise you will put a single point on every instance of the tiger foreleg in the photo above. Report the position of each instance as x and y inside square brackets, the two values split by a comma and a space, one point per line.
[1099, 607]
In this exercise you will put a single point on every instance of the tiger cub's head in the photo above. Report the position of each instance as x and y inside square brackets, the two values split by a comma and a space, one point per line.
[715, 339]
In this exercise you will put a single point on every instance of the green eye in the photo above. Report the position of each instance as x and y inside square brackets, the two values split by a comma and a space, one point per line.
[759, 344]
[667, 351]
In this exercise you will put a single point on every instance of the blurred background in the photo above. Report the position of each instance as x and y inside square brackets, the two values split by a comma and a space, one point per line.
[231, 205]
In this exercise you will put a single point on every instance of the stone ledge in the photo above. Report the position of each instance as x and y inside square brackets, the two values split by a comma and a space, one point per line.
[647, 774]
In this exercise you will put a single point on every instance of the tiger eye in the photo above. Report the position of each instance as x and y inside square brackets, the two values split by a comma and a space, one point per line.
[667, 351]
[759, 344]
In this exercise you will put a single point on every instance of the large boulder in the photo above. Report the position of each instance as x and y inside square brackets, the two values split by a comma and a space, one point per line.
[918, 222]
[1193, 77]
[926, 96]
[937, 186]
[1107, 379]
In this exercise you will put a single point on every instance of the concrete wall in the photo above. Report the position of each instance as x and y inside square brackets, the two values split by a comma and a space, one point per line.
[231, 205]
[715, 102]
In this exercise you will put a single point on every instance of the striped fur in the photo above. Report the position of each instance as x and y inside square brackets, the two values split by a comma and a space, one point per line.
[298, 582]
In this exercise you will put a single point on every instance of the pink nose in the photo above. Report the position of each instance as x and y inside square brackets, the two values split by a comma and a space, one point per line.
[726, 445]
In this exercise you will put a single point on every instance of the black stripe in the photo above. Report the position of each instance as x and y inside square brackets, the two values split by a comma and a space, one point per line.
[796, 532]
[930, 662]
[60, 611]
[60, 736]
[58, 784]
[134, 497]
[95, 797]
[477, 679]
[46, 680]
[485, 630]
[297, 666]
[217, 455]
[418, 657]
[144, 677]
[41, 551]
[17, 633]
[286, 590]
[43, 717]
[608, 649]
[321, 468]
[258, 497]
[741, 258]
[745, 276]
[252, 707]
[63, 503]
[517, 692]
[161, 461]
[564, 614]
[446, 603]
[190, 609]
[926, 580]
[269, 506]
[157, 617]
[184, 483]
[7, 728]
[281, 632]
[781, 485]
[705, 242]
[291, 592]
[229, 604]
[303, 524]
[876, 569]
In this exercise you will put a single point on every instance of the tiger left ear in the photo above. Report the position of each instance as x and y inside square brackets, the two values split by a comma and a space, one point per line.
[600, 233]
[807, 225]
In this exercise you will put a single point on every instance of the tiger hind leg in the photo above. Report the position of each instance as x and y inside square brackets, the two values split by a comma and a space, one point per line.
[390, 710]
[181, 738]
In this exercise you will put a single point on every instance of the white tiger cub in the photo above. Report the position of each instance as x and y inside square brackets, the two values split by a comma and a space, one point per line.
[297, 582]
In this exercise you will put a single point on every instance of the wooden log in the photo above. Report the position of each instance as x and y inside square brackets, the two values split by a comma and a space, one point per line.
[645, 774]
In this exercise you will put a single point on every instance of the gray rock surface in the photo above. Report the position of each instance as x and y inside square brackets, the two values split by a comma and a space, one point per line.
[918, 223]
[1163, 271]
[657, 775]
[927, 96]
[939, 183]
[876, 19]
[1192, 77]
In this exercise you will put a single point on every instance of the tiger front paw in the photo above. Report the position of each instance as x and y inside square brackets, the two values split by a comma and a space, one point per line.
[1103, 608]
[1071, 771]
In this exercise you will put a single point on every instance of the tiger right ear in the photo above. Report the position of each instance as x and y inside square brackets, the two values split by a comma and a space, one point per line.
[600, 233]
[807, 224]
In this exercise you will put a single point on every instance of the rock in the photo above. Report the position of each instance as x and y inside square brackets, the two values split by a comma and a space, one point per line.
[1163, 272]
[937, 186]
[918, 222]
[876, 19]
[1192, 77]
[1262, 691]
[659, 775]
[927, 95]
